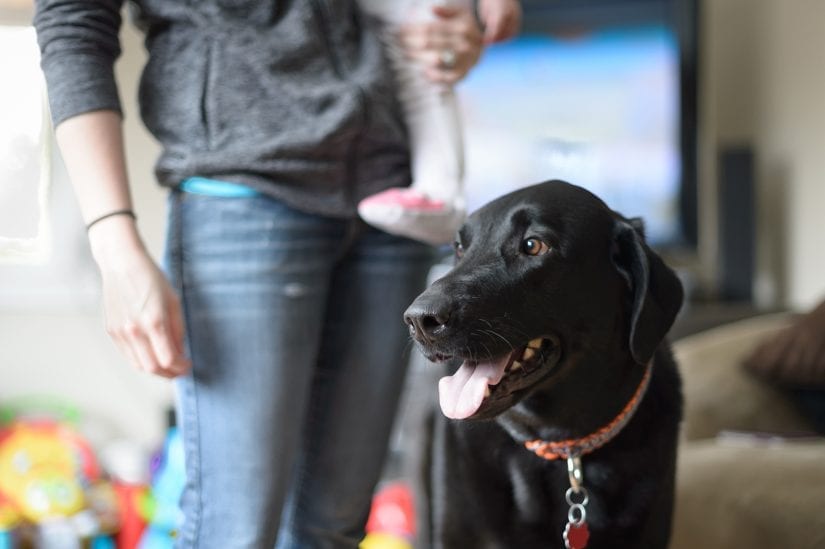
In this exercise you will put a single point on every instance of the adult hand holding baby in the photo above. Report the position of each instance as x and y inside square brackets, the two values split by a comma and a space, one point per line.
[448, 46]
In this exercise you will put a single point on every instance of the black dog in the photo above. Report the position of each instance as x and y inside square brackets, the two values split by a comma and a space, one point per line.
[558, 310]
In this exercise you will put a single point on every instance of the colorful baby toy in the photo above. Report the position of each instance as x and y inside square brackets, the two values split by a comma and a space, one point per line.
[52, 492]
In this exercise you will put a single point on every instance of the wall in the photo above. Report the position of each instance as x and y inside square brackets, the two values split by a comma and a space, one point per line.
[791, 140]
[62, 349]
[763, 84]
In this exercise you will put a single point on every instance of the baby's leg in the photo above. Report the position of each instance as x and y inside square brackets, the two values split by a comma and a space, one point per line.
[434, 125]
[432, 118]
[432, 208]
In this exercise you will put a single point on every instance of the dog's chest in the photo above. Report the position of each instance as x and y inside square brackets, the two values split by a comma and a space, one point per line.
[537, 487]
[541, 509]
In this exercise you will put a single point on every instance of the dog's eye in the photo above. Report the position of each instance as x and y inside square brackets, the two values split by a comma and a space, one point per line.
[534, 246]
[459, 249]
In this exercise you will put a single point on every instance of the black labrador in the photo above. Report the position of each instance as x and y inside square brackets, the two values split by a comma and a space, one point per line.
[565, 410]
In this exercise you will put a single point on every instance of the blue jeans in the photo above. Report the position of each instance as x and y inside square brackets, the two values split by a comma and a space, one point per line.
[298, 348]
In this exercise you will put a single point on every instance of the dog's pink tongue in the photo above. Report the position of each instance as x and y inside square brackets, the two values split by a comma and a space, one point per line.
[462, 393]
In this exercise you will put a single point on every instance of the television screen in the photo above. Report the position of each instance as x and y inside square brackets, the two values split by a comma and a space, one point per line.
[599, 108]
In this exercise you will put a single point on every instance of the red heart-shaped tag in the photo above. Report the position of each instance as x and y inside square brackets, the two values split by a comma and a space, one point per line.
[576, 535]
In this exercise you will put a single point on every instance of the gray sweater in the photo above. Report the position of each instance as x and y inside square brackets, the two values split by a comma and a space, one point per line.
[291, 97]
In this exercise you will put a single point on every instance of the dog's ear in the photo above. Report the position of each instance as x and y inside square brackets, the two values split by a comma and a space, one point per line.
[656, 291]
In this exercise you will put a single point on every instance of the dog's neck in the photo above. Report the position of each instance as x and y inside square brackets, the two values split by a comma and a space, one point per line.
[577, 447]
[566, 415]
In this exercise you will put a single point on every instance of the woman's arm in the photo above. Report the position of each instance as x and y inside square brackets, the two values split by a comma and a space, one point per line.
[143, 315]
[79, 44]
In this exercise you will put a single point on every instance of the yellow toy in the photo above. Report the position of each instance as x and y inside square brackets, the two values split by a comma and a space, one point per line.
[10, 517]
[10, 521]
[51, 487]
[43, 467]
[380, 540]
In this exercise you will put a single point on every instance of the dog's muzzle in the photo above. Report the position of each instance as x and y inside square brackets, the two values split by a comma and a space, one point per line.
[427, 320]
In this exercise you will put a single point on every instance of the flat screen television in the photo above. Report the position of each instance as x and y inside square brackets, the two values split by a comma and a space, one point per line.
[601, 93]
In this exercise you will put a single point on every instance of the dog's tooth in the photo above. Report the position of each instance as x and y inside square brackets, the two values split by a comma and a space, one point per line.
[528, 353]
[515, 366]
[535, 344]
[487, 392]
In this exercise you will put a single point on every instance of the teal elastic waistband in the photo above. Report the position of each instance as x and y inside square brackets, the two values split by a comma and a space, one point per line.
[214, 187]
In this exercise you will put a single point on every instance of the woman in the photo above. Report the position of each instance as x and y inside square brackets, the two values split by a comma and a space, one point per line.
[280, 318]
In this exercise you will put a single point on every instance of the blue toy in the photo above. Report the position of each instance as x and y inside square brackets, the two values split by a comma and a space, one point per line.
[161, 507]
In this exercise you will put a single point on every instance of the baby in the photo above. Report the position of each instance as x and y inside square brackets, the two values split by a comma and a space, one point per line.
[433, 207]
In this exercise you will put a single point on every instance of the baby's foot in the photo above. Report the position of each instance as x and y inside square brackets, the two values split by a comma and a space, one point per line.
[408, 212]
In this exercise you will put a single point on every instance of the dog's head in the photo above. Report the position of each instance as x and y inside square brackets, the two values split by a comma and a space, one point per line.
[545, 278]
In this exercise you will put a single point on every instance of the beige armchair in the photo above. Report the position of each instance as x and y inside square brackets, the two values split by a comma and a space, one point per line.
[748, 476]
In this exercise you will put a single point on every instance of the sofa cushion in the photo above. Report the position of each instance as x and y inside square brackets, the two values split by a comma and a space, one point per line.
[793, 361]
[794, 358]
[762, 494]
[720, 395]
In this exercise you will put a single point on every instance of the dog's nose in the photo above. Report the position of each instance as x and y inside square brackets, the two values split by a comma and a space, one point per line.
[426, 321]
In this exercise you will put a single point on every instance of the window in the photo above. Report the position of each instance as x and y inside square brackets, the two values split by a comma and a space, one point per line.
[25, 148]
[44, 259]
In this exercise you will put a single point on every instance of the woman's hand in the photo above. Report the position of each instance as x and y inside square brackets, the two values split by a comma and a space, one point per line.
[143, 314]
[501, 19]
[448, 47]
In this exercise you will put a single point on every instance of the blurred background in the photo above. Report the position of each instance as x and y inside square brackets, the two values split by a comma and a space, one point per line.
[704, 117]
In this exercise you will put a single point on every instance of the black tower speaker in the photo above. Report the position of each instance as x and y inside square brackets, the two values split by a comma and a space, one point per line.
[736, 224]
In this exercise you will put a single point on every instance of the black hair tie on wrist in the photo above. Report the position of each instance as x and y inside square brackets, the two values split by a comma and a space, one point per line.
[128, 212]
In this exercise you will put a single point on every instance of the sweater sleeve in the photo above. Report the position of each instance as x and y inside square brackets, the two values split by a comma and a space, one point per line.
[78, 45]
